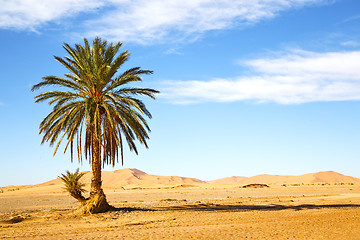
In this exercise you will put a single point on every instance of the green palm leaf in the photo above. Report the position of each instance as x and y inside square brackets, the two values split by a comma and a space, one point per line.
[93, 94]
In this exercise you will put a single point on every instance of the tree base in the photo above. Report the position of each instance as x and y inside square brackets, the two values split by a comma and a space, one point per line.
[95, 204]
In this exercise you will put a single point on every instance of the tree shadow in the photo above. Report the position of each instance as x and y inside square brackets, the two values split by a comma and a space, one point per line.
[236, 208]
[130, 209]
[271, 207]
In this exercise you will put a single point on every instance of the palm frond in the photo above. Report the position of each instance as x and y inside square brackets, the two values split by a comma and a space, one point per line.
[73, 184]
[95, 97]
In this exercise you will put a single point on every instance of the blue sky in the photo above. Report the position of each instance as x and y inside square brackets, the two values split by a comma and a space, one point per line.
[247, 87]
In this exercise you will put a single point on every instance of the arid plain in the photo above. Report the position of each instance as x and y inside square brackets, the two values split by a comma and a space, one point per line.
[323, 205]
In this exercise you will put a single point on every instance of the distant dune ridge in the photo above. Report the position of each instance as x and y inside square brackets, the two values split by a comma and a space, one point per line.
[131, 177]
[233, 179]
[319, 177]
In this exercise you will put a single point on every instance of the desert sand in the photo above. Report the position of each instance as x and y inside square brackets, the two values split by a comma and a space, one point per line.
[313, 206]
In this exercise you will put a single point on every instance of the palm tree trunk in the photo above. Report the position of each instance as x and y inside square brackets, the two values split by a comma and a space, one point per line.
[97, 201]
[96, 168]
[79, 197]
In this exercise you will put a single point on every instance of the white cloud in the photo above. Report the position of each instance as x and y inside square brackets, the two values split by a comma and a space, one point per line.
[331, 65]
[30, 14]
[352, 18]
[350, 43]
[293, 78]
[145, 21]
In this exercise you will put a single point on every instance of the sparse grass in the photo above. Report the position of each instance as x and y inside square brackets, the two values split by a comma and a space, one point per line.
[256, 185]
[10, 190]
[168, 200]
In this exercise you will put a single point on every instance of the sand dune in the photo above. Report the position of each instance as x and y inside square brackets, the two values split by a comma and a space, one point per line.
[178, 210]
[233, 179]
[125, 177]
[319, 177]
[133, 178]
[128, 178]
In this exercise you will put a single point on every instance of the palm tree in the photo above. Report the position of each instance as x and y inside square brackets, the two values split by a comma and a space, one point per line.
[73, 185]
[93, 97]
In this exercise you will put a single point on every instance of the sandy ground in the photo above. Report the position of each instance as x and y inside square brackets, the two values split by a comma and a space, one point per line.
[187, 212]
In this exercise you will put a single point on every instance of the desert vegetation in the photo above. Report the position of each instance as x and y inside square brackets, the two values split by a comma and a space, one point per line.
[95, 110]
[73, 185]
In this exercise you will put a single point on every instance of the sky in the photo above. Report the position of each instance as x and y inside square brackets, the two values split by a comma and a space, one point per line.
[247, 87]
